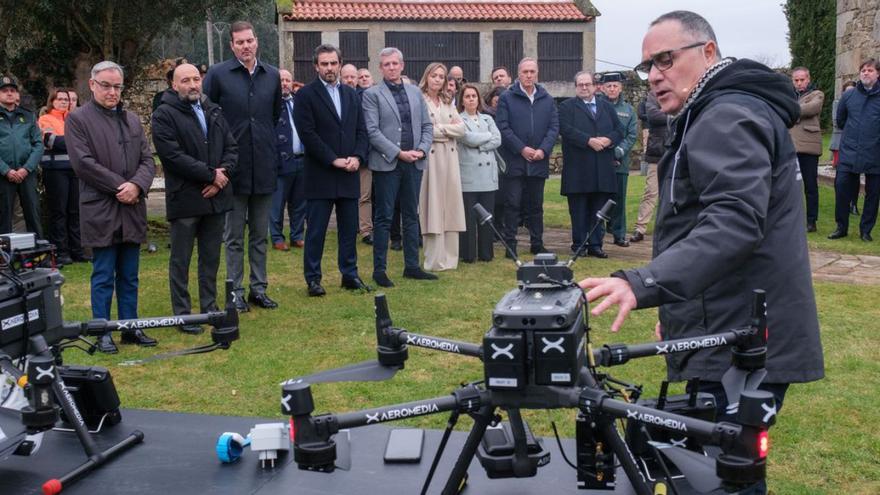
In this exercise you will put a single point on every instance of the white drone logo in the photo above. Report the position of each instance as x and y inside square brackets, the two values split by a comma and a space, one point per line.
[552, 345]
[372, 418]
[502, 351]
[45, 372]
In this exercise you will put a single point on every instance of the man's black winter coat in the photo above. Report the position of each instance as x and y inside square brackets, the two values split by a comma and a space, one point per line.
[189, 159]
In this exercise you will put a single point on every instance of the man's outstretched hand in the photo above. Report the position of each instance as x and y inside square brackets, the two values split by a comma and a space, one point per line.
[615, 291]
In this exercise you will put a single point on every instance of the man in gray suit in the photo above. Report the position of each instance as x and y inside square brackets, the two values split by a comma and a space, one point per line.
[400, 132]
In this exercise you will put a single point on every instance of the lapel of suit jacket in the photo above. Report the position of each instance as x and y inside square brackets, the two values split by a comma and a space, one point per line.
[325, 97]
[384, 91]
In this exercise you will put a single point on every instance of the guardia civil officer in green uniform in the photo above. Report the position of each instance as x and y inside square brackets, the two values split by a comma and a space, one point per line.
[21, 148]
[612, 86]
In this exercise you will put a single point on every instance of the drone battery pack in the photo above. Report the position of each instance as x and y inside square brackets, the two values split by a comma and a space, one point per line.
[93, 391]
[559, 355]
[404, 445]
[43, 308]
[497, 448]
[504, 359]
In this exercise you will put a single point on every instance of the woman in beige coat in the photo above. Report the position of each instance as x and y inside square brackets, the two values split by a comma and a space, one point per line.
[441, 210]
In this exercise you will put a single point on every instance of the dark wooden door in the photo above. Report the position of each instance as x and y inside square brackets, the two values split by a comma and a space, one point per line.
[508, 50]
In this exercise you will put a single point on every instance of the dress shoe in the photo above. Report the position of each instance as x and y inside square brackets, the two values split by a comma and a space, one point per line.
[106, 345]
[811, 226]
[621, 242]
[240, 305]
[418, 274]
[637, 237]
[81, 258]
[137, 337]
[382, 279]
[64, 260]
[315, 289]
[866, 237]
[298, 244]
[262, 300]
[191, 329]
[538, 250]
[597, 253]
[837, 234]
[396, 246]
[280, 246]
[368, 239]
[355, 284]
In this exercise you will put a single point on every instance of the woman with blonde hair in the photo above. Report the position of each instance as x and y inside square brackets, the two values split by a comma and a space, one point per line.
[441, 211]
[479, 172]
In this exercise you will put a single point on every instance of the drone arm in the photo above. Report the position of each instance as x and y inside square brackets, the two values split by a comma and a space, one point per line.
[404, 337]
[617, 354]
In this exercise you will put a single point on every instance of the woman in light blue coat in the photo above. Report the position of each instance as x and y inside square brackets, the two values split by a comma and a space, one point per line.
[479, 173]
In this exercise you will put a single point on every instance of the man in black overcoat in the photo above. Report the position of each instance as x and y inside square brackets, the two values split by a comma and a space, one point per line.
[590, 130]
[330, 123]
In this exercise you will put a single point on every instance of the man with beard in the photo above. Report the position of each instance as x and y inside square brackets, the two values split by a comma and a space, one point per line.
[330, 122]
[730, 217]
[198, 155]
[807, 137]
[249, 91]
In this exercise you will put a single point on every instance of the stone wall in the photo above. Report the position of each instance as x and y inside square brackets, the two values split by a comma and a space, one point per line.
[858, 38]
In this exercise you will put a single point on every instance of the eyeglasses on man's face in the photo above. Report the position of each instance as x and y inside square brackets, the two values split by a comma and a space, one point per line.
[104, 85]
[663, 60]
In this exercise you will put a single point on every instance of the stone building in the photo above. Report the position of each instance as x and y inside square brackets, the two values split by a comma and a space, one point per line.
[474, 34]
[858, 38]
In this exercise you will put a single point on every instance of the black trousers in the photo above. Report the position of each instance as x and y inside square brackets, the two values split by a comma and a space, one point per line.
[62, 200]
[476, 241]
[582, 209]
[30, 204]
[185, 232]
[809, 165]
[516, 190]
[317, 218]
[846, 191]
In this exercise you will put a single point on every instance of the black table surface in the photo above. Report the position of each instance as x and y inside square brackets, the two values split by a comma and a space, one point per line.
[178, 456]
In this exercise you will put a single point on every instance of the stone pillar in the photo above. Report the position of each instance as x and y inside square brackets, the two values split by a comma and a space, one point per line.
[487, 55]
[858, 38]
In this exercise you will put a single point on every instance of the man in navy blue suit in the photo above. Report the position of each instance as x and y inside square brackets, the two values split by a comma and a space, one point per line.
[590, 130]
[330, 123]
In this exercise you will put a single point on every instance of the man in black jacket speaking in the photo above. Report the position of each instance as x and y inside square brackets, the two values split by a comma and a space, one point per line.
[730, 216]
[198, 153]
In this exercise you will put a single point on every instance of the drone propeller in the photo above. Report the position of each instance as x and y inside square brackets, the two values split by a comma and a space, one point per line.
[736, 380]
[698, 469]
[366, 371]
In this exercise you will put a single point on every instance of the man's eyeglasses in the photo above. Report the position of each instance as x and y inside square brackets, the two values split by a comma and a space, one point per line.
[107, 86]
[663, 60]
[584, 85]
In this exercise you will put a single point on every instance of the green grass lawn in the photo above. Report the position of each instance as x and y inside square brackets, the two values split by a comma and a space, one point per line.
[826, 440]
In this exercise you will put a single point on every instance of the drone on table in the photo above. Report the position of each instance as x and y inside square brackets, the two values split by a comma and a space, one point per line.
[33, 337]
[538, 355]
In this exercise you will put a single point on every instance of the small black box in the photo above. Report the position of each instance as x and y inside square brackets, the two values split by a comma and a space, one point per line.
[504, 359]
[559, 355]
[94, 393]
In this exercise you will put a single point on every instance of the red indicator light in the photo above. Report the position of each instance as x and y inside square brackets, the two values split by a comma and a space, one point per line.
[763, 444]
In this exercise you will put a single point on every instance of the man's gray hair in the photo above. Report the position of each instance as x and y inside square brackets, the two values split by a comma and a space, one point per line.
[693, 24]
[526, 59]
[389, 51]
[107, 65]
[584, 73]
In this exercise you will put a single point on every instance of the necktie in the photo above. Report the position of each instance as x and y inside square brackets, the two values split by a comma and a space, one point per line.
[201, 116]
[334, 95]
[592, 106]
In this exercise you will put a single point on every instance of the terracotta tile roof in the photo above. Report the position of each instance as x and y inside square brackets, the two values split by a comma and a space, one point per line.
[436, 10]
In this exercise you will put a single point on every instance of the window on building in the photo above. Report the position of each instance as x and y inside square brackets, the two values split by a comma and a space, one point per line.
[508, 50]
[420, 49]
[304, 44]
[354, 48]
[560, 56]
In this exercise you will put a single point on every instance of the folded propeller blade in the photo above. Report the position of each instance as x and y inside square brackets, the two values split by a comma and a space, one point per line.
[698, 469]
[366, 371]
